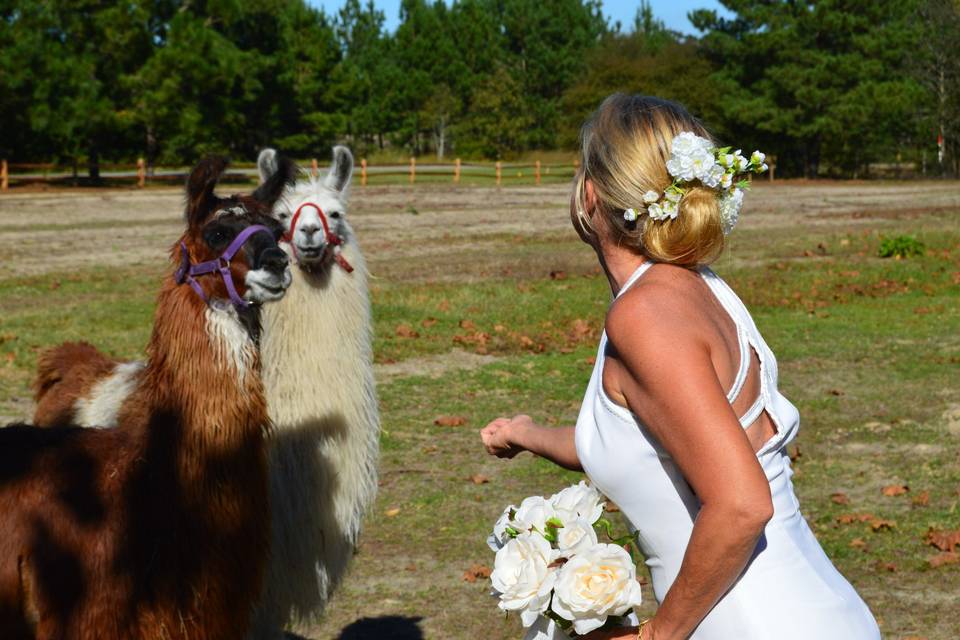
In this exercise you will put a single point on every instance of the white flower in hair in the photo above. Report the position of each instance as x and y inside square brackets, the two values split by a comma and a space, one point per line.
[739, 162]
[671, 209]
[714, 176]
[730, 205]
[693, 157]
[656, 212]
[630, 215]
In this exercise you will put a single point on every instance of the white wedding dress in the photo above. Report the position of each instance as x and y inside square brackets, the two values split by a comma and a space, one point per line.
[790, 590]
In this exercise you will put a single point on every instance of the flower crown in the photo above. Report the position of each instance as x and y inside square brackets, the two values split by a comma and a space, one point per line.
[695, 158]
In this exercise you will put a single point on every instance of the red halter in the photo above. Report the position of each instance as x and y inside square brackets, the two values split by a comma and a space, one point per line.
[332, 239]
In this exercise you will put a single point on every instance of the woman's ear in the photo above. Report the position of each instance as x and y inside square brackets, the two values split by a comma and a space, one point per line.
[589, 197]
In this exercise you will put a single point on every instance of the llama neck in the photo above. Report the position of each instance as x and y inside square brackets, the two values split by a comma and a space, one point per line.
[202, 373]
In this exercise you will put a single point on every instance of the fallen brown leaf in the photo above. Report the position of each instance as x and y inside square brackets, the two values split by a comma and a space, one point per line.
[794, 453]
[558, 274]
[893, 490]
[611, 507]
[479, 479]
[406, 331]
[878, 524]
[476, 571]
[885, 566]
[391, 512]
[468, 325]
[450, 421]
[428, 322]
[943, 540]
[858, 543]
[921, 499]
[848, 518]
[840, 498]
[835, 392]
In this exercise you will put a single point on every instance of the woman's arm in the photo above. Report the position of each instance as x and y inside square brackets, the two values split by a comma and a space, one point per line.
[506, 437]
[664, 372]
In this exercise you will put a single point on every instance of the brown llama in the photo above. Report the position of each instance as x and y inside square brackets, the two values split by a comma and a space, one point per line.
[160, 527]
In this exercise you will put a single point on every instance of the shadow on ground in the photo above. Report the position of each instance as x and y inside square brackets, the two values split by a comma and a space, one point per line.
[382, 628]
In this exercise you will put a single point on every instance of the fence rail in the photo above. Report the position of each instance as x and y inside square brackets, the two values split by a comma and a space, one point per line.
[456, 172]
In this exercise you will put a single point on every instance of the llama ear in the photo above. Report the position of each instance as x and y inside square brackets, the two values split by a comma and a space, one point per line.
[267, 164]
[201, 200]
[276, 182]
[341, 170]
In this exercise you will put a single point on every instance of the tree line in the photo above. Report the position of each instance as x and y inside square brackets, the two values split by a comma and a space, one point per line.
[828, 86]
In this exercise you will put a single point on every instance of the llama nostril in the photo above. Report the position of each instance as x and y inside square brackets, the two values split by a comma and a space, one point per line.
[309, 229]
[273, 259]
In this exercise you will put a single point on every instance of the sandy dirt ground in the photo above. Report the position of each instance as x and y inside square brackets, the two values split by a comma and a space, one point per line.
[399, 227]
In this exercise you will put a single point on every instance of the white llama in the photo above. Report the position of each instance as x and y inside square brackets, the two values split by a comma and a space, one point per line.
[317, 373]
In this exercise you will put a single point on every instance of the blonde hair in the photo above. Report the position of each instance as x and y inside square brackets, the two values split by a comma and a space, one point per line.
[624, 149]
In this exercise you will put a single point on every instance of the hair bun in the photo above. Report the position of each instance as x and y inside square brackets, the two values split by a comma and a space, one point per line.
[694, 237]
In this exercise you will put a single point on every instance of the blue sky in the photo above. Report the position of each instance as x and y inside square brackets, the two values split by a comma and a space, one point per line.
[672, 12]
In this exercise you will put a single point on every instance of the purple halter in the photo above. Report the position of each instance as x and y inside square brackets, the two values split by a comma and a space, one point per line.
[187, 271]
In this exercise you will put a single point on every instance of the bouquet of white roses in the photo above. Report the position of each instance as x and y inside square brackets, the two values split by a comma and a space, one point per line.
[552, 568]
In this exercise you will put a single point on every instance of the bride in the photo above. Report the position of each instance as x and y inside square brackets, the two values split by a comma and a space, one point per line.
[682, 425]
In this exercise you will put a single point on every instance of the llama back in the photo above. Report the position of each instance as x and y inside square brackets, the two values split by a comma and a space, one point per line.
[318, 379]
[66, 374]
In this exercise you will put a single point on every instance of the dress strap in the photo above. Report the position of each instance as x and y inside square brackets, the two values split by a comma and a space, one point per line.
[632, 280]
[744, 369]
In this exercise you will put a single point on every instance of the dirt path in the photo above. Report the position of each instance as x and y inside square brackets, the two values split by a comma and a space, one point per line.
[399, 226]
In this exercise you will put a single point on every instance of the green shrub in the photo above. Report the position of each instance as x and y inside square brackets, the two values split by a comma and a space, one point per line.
[900, 247]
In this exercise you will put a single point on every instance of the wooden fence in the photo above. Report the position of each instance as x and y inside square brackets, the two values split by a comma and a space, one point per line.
[457, 172]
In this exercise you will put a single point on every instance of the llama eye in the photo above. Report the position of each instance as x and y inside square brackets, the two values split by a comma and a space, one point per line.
[284, 215]
[335, 214]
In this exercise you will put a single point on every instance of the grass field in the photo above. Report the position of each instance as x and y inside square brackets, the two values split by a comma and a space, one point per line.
[486, 305]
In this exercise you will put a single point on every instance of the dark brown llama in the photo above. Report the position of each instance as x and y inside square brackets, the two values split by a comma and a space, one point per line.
[158, 528]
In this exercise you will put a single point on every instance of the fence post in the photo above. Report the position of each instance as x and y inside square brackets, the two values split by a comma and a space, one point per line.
[456, 171]
[537, 172]
[773, 166]
[363, 172]
[413, 169]
[141, 173]
[314, 169]
[499, 173]
[4, 176]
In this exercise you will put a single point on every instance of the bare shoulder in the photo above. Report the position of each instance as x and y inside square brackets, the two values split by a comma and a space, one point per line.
[657, 313]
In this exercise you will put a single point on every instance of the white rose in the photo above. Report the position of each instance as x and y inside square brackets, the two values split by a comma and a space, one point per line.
[522, 576]
[629, 215]
[578, 501]
[500, 537]
[545, 629]
[576, 537]
[534, 512]
[595, 584]
[655, 211]
[651, 196]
